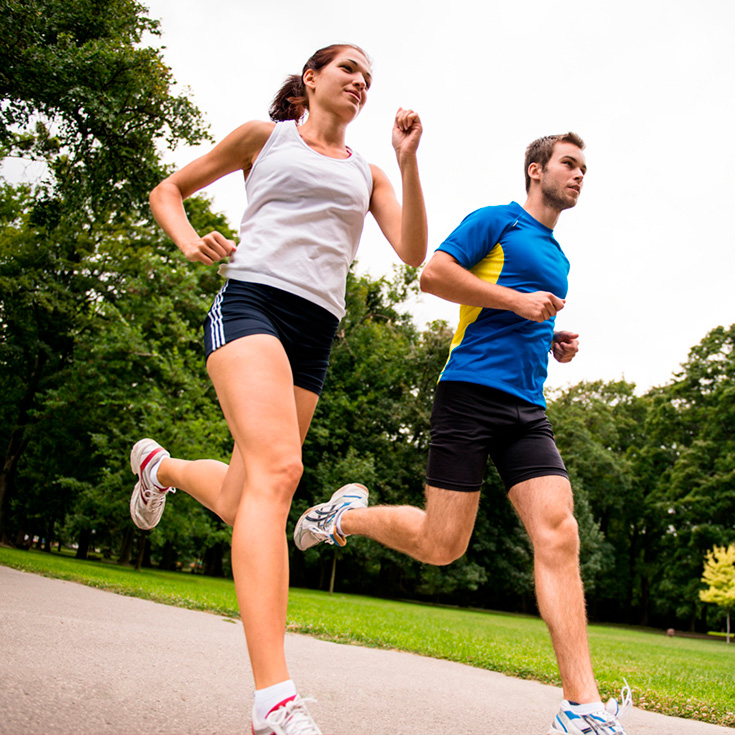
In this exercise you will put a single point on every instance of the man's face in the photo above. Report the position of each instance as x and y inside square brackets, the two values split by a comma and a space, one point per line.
[561, 179]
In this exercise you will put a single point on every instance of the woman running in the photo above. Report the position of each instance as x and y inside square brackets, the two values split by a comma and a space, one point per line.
[268, 334]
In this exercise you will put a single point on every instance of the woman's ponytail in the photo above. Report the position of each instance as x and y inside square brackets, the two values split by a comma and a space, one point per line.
[290, 103]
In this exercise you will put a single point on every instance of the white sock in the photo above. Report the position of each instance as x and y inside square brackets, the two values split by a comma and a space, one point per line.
[338, 523]
[270, 697]
[153, 471]
[586, 709]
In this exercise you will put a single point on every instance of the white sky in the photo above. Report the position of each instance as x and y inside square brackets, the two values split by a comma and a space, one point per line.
[648, 84]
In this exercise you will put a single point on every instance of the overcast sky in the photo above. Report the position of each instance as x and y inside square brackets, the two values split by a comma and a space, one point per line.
[648, 85]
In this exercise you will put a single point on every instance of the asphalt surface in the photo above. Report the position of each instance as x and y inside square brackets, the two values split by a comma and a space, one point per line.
[77, 660]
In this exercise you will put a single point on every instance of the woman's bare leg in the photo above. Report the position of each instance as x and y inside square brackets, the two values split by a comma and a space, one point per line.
[217, 485]
[268, 419]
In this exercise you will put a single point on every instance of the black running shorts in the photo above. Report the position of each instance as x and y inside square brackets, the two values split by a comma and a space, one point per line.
[471, 421]
[306, 330]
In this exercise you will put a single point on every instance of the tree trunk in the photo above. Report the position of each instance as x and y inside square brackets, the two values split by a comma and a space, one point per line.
[168, 557]
[632, 555]
[83, 543]
[141, 550]
[13, 453]
[17, 444]
[334, 573]
[645, 599]
[126, 548]
[213, 561]
[728, 625]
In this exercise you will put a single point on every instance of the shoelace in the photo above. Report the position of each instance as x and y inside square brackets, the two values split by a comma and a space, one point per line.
[294, 716]
[603, 728]
[154, 498]
[324, 515]
[620, 709]
[327, 517]
[613, 711]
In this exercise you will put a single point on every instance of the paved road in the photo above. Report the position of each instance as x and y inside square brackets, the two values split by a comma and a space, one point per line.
[75, 660]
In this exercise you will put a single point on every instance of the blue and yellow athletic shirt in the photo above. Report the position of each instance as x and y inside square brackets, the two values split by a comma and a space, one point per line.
[495, 347]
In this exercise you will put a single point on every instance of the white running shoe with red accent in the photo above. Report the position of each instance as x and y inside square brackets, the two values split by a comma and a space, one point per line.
[148, 500]
[290, 717]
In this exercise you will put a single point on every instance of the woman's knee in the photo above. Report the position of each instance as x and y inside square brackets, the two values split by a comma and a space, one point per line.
[277, 477]
[273, 483]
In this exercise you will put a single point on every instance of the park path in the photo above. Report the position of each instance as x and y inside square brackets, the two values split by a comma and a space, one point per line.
[75, 660]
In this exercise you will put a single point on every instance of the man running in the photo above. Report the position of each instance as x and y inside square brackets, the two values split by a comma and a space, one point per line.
[509, 274]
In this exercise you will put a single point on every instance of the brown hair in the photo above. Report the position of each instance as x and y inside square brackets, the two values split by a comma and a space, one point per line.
[540, 150]
[291, 101]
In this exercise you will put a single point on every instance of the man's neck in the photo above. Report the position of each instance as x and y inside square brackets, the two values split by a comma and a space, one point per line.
[539, 210]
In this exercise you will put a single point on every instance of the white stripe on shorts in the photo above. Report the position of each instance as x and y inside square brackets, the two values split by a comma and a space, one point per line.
[217, 329]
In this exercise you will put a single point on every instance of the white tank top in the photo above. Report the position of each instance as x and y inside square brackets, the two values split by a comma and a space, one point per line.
[303, 221]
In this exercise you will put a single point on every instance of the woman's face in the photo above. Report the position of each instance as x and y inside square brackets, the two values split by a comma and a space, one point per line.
[342, 84]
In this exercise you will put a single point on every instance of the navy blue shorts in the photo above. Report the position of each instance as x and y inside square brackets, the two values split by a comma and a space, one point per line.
[471, 421]
[306, 330]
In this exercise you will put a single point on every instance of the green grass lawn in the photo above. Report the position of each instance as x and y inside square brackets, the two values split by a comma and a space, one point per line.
[677, 676]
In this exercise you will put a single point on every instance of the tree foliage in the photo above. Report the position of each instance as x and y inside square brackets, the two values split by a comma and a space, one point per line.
[101, 342]
[719, 576]
[85, 97]
[692, 435]
[81, 92]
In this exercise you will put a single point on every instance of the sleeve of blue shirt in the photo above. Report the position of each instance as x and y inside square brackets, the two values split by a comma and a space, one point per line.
[475, 237]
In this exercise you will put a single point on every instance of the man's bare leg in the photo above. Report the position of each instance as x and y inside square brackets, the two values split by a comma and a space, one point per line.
[546, 507]
[439, 534]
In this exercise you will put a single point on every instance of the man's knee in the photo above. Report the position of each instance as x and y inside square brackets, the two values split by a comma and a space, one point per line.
[559, 537]
[440, 552]
[450, 518]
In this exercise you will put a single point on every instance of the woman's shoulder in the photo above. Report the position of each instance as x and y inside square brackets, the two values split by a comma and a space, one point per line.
[256, 131]
[245, 142]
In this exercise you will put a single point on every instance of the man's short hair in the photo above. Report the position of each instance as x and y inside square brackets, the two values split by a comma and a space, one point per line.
[540, 150]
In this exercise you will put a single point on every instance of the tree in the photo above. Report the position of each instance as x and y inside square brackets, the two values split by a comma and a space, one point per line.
[690, 429]
[118, 326]
[82, 94]
[719, 575]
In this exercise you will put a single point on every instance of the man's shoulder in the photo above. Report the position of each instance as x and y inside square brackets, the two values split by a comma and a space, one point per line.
[493, 219]
[497, 211]
[479, 232]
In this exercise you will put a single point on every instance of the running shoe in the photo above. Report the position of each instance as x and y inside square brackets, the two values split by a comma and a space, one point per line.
[602, 722]
[148, 500]
[291, 717]
[319, 524]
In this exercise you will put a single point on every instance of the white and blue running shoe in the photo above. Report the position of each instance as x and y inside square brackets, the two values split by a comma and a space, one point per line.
[602, 722]
[319, 524]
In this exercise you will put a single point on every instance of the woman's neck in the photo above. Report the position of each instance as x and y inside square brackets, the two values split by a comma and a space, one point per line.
[325, 134]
